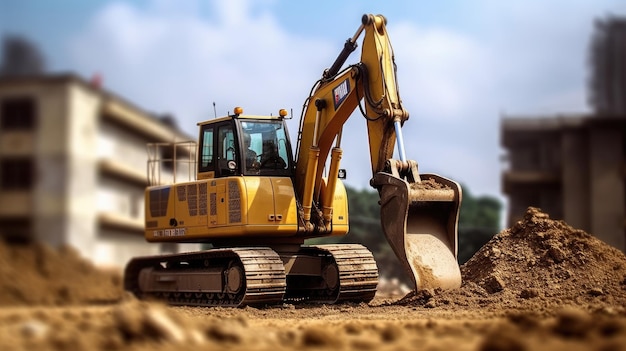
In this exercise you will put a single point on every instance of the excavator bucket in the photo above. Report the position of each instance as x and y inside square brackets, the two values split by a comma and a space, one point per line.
[420, 218]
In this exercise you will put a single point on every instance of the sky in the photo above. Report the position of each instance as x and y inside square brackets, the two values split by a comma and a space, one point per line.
[462, 65]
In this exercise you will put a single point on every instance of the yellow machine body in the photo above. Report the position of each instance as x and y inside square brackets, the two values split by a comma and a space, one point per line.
[256, 198]
[250, 207]
[244, 189]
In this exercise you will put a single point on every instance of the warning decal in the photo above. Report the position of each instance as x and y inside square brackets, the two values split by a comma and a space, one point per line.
[341, 92]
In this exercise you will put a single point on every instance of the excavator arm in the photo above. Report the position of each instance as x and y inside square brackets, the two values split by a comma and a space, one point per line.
[419, 214]
[338, 94]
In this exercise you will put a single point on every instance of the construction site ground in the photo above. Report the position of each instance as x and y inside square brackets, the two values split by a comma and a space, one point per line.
[539, 285]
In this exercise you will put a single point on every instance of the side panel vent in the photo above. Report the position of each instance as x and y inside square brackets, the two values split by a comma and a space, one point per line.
[202, 187]
[234, 202]
[192, 199]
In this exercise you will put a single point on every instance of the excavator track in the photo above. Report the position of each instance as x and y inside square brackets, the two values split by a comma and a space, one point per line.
[218, 277]
[349, 273]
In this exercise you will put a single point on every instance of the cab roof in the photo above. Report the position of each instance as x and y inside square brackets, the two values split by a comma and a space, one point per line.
[229, 117]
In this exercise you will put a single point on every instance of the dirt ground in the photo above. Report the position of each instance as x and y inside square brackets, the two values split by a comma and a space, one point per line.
[539, 285]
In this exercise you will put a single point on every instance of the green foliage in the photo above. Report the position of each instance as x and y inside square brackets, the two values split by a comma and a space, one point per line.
[364, 217]
[479, 221]
[481, 211]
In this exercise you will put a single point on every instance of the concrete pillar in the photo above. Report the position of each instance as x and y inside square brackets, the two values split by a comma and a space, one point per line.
[607, 185]
[50, 188]
[575, 178]
[82, 172]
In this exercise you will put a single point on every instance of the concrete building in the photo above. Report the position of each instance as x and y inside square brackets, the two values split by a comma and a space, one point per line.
[73, 164]
[572, 167]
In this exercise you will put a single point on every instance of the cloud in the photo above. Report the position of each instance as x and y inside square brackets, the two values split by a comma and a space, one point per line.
[522, 58]
[448, 84]
[183, 63]
[443, 70]
[456, 84]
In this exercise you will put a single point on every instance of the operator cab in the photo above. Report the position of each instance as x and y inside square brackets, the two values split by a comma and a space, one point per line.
[244, 145]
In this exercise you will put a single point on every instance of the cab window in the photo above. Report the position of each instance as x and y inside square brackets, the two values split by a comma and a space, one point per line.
[206, 162]
[226, 149]
[265, 148]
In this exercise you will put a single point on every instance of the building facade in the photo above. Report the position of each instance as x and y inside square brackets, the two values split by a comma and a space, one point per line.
[572, 167]
[73, 167]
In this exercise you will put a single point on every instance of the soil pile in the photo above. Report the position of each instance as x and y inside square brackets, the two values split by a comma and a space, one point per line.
[35, 274]
[428, 184]
[537, 264]
[136, 325]
[125, 325]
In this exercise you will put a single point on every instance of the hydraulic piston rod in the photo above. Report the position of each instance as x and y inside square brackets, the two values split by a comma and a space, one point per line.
[400, 140]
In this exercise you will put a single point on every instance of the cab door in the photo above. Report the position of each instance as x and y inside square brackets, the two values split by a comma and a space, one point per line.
[227, 151]
[218, 159]
[219, 151]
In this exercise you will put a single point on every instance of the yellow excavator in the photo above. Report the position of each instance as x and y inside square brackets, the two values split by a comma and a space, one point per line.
[256, 204]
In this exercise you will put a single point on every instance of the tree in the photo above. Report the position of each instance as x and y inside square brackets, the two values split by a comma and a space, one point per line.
[20, 57]
[479, 221]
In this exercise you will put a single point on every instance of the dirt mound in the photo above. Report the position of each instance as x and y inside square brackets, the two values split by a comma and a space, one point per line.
[123, 326]
[35, 274]
[428, 184]
[537, 264]
[137, 325]
[518, 294]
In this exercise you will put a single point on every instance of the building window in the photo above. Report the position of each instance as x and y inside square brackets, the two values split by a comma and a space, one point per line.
[16, 174]
[17, 114]
[16, 230]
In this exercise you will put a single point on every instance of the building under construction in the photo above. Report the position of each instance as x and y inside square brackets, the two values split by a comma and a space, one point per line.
[572, 167]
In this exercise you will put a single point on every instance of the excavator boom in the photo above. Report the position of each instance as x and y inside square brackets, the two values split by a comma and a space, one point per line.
[419, 214]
